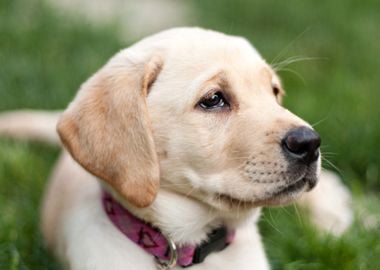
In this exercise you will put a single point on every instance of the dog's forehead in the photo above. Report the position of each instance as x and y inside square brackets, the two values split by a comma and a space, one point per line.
[204, 47]
[190, 45]
[192, 52]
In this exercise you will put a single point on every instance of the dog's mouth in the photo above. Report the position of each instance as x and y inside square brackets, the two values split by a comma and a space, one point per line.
[292, 188]
[280, 196]
[290, 193]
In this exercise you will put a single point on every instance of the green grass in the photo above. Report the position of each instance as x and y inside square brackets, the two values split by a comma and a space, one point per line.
[45, 56]
[293, 243]
[23, 171]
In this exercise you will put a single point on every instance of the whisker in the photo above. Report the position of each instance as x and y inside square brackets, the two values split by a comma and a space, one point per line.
[284, 208]
[330, 154]
[333, 166]
[266, 219]
[320, 121]
[300, 221]
[295, 73]
[325, 146]
[280, 54]
[294, 59]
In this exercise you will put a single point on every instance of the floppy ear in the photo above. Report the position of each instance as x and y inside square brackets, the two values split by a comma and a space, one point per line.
[107, 128]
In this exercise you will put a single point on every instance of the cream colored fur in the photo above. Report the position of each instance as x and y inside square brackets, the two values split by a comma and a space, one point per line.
[136, 128]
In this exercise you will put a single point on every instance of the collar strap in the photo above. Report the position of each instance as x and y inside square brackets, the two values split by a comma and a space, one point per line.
[154, 242]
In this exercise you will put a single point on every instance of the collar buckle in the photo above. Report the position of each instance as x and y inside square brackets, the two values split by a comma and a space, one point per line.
[216, 242]
[173, 256]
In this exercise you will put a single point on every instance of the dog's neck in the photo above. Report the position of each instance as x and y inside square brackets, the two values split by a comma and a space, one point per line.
[185, 220]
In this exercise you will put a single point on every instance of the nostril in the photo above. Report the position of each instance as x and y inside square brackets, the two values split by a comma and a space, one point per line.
[302, 143]
[295, 145]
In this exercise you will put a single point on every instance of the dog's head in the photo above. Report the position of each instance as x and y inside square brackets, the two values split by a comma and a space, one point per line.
[199, 111]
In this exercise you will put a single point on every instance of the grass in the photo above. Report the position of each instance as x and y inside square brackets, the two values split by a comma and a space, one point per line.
[24, 169]
[46, 56]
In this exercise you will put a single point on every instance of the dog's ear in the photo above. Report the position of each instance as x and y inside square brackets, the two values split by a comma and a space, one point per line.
[107, 128]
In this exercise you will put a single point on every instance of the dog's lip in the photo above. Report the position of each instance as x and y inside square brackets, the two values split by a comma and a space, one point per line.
[292, 188]
[290, 193]
[282, 196]
[309, 178]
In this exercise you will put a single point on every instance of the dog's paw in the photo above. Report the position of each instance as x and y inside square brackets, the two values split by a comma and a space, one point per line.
[330, 204]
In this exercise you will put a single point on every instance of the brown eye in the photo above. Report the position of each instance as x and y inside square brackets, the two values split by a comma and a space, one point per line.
[215, 101]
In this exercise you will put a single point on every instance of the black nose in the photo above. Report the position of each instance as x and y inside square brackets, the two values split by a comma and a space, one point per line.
[302, 144]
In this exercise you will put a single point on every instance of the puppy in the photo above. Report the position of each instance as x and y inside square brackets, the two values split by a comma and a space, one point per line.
[172, 148]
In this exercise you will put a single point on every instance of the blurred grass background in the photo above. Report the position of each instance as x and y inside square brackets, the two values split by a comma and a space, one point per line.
[45, 55]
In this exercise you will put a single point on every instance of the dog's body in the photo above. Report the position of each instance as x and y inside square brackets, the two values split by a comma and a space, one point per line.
[185, 129]
[84, 238]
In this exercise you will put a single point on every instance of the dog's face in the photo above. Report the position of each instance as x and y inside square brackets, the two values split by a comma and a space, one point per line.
[203, 116]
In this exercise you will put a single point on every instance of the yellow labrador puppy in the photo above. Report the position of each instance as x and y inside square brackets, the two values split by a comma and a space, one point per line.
[187, 137]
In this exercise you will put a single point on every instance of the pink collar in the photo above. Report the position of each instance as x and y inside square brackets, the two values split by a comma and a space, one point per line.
[154, 242]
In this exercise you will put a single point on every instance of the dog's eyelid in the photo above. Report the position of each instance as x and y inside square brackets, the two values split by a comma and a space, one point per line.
[212, 92]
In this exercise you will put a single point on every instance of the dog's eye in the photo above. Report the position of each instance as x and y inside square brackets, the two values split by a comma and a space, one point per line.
[276, 90]
[214, 101]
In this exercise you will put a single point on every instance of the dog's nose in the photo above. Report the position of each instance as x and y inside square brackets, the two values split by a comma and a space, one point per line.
[302, 144]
